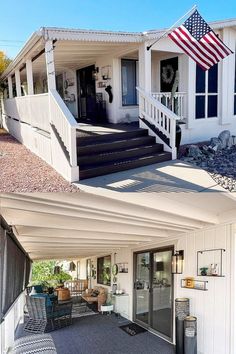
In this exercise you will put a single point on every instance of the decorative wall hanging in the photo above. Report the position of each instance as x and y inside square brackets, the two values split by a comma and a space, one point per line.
[210, 262]
[195, 284]
[105, 72]
[110, 94]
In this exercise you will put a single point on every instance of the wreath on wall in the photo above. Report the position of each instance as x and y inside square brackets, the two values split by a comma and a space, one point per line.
[168, 74]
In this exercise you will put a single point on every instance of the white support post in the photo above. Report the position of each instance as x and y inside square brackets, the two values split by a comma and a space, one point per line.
[29, 74]
[18, 83]
[145, 68]
[50, 65]
[191, 69]
[10, 88]
[227, 74]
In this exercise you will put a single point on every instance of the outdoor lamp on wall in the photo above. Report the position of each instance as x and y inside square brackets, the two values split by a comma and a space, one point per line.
[72, 266]
[95, 73]
[57, 270]
[177, 262]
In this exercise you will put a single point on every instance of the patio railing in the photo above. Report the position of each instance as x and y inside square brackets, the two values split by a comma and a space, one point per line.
[157, 115]
[176, 104]
[65, 124]
[32, 109]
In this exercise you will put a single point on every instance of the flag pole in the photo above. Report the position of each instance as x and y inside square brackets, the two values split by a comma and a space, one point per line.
[168, 30]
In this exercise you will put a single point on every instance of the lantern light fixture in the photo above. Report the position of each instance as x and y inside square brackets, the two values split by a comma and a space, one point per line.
[177, 262]
[72, 266]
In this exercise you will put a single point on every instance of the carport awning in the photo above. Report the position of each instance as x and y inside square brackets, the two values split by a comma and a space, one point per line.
[81, 225]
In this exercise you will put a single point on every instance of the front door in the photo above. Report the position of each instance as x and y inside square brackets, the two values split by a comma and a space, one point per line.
[169, 67]
[153, 289]
[86, 94]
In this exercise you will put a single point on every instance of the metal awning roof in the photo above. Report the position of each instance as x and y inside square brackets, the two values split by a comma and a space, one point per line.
[36, 42]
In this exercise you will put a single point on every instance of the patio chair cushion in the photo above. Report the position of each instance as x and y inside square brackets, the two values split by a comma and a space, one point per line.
[38, 289]
[47, 297]
[35, 344]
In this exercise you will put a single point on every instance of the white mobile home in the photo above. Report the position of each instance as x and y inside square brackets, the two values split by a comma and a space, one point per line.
[69, 90]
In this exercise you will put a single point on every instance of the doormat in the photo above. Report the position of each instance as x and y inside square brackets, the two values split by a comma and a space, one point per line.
[132, 329]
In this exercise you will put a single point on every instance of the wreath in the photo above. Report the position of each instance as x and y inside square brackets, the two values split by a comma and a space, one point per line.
[167, 74]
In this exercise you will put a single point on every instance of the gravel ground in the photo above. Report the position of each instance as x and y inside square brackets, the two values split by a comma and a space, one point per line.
[23, 171]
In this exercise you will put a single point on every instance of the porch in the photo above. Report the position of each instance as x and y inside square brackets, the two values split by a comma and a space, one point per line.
[46, 106]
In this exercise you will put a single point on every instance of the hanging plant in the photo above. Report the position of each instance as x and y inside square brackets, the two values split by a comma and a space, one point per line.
[168, 74]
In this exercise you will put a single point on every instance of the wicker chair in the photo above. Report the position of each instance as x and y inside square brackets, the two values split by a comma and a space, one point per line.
[45, 318]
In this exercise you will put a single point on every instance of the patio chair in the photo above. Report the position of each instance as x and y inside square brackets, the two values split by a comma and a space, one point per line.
[44, 315]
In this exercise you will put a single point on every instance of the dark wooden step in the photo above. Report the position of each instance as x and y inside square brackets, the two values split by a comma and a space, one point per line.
[122, 165]
[106, 156]
[116, 145]
[103, 138]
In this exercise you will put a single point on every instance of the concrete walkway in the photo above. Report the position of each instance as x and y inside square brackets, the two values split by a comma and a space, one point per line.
[170, 176]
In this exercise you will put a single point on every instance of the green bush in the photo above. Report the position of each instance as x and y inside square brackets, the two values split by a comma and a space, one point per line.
[43, 274]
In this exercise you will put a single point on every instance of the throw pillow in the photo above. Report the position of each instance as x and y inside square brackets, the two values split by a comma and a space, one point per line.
[95, 293]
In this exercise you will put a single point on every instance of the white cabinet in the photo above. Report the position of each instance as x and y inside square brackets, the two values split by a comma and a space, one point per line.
[121, 304]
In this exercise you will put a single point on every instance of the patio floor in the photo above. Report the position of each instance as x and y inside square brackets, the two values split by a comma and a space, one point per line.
[100, 334]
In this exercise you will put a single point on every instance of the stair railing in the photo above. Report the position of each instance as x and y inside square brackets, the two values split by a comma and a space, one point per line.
[154, 113]
[65, 125]
[176, 103]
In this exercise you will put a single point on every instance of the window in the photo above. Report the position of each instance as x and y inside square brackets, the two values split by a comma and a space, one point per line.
[235, 86]
[129, 82]
[104, 270]
[206, 92]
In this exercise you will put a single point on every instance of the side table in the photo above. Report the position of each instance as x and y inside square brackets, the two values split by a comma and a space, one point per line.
[107, 308]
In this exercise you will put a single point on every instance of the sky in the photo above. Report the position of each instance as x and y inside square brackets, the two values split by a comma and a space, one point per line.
[19, 19]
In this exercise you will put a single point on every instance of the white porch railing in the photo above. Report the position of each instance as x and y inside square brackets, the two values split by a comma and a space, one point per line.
[155, 113]
[65, 125]
[176, 104]
[33, 110]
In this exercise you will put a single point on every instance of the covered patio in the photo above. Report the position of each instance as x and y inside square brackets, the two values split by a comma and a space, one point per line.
[88, 228]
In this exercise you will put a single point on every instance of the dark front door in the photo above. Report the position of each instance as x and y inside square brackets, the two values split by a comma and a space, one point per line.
[168, 73]
[153, 290]
[86, 94]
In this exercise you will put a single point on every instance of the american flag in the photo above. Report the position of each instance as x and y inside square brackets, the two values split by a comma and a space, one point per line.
[200, 42]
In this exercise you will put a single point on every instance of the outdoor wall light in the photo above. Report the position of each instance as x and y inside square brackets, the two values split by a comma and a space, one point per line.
[177, 262]
[72, 266]
[95, 73]
[57, 270]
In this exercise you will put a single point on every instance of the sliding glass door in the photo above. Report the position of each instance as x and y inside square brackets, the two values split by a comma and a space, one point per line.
[153, 289]
[142, 287]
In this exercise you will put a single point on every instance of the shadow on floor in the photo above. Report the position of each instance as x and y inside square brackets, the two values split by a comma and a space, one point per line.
[100, 334]
[171, 176]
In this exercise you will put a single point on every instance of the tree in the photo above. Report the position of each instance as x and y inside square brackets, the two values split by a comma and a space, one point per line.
[4, 62]
[43, 273]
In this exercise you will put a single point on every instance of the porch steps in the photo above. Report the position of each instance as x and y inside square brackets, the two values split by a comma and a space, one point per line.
[103, 154]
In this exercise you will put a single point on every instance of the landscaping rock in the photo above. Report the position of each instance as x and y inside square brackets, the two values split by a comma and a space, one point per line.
[224, 137]
[216, 144]
[217, 157]
[194, 151]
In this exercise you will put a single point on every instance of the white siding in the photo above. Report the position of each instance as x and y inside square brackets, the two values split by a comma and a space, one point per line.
[212, 307]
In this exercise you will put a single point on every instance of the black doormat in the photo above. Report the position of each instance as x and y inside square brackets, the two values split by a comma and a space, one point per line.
[132, 329]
